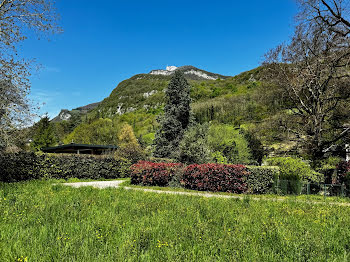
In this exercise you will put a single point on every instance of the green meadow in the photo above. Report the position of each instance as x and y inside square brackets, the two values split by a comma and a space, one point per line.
[40, 221]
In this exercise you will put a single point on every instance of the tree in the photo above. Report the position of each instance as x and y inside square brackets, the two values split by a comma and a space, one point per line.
[127, 136]
[99, 132]
[176, 118]
[194, 147]
[18, 18]
[128, 146]
[44, 135]
[228, 144]
[255, 146]
[313, 70]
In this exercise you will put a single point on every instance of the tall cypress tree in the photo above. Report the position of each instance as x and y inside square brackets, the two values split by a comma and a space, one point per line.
[176, 117]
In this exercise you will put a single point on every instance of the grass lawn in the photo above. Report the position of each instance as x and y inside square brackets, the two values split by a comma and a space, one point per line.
[44, 222]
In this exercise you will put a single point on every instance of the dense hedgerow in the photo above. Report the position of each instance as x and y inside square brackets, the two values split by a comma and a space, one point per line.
[153, 174]
[216, 177]
[213, 177]
[25, 166]
[18, 166]
[262, 178]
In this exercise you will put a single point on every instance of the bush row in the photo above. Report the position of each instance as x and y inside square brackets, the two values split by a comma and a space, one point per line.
[25, 166]
[262, 178]
[206, 177]
[153, 174]
[216, 177]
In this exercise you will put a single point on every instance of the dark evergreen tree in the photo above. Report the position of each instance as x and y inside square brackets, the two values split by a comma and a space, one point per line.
[256, 147]
[194, 147]
[44, 135]
[176, 118]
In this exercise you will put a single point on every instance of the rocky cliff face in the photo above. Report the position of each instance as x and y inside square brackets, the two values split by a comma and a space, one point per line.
[66, 114]
[190, 71]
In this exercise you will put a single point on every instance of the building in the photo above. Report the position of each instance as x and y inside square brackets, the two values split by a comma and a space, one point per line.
[79, 149]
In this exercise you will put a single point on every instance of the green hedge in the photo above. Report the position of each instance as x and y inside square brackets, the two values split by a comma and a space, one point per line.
[295, 169]
[25, 166]
[18, 167]
[262, 178]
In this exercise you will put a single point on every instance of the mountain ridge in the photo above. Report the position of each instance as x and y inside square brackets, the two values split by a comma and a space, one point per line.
[190, 72]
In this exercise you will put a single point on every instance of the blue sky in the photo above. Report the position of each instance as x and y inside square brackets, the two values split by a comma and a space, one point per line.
[105, 42]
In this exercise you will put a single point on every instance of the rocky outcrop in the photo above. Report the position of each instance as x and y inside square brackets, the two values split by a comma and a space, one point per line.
[190, 71]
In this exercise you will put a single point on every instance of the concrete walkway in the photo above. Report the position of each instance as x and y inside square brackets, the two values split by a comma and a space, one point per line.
[116, 183]
[97, 184]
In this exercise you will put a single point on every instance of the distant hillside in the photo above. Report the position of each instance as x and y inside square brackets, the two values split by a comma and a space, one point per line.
[66, 114]
[245, 100]
[146, 91]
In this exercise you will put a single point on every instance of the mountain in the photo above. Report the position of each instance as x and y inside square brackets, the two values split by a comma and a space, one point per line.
[244, 100]
[66, 114]
[146, 91]
[130, 94]
[191, 73]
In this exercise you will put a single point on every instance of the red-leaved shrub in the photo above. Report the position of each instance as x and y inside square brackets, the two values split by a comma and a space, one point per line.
[216, 177]
[153, 174]
[343, 172]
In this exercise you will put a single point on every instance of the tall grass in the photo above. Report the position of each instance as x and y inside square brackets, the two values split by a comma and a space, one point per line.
[44, 222]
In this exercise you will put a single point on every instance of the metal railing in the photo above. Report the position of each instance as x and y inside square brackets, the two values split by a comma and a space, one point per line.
[295, 187]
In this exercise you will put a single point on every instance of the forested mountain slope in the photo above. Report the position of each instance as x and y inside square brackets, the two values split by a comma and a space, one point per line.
[245, 100]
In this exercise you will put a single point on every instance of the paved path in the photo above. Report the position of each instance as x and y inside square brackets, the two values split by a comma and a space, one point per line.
[97, 184]
[116, 183]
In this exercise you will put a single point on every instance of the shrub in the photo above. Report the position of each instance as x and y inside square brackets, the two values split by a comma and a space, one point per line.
[295, 169]
[216, 177]
[194, 145]
[161, 160]
[328, 167]
[25, 166]
[262, 178]
[219, 158]
[82, 166]
[18, 166]
[343, 173]
[331, 162]
[132, 152]
[153, 174]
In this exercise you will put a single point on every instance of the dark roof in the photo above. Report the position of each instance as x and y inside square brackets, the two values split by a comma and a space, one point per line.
[78, 146]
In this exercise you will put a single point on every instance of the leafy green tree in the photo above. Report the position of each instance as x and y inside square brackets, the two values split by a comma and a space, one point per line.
[129, 146]
[100, 132]
[194, 145]
[127, 136]
[44, 135]
[176, 118]
[227, 140]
